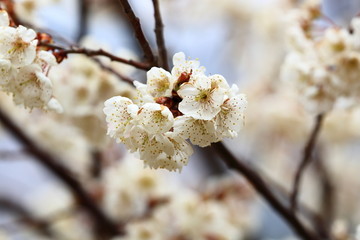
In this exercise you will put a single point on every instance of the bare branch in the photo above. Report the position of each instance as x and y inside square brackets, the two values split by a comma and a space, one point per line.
[102, 221]
[93, 53]
[263, 189]
[100, 52]
[139, 34]
[306, 159]
[159, 33]
[327, 192]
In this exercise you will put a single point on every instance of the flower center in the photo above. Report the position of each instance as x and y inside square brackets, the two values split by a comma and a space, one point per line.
[203, 96]
[18, 45]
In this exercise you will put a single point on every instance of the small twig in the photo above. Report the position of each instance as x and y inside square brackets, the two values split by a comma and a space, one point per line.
[103, 66]
[263, 189]
[83, 19]
[102, 221]
[159, 33]
[313, 216]
[139, 34]
[306, 159]
[99, 52]
[112, 71]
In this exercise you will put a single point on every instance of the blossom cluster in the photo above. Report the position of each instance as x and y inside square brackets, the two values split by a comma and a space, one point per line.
[323, 64]
[155, 207]
[23, 68]
[173, 107]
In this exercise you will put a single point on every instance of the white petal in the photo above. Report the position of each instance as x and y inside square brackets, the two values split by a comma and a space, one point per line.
[200, 132]
[117, 116]
[155, 118]
[159, 82]
[231, 118]
[4, 18]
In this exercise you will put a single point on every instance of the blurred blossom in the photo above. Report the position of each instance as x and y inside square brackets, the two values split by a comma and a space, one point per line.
[290, 59]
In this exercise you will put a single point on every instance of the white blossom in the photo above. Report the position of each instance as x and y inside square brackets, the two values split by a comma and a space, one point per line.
[7, 73]
[181, 65]
[202, 98]
[159, 82]
[324, 67]
[31, 87]
[143, 96]
[150, 146]
[230, 119]
[18, 45]
[119, 113]
[23, 69]
[155, 118]
[200, 132]
[173, 107]
[4, 19]
[181, 151]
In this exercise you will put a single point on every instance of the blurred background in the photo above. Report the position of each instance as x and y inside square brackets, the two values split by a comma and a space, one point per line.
[242, 40]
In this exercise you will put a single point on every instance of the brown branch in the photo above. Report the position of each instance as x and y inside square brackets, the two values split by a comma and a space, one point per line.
[327, 193]
[159, 33]
[313, 216]
[103, 222]
[139, 34]
[263, 189]
[100, 52]
[103, 66]
[306, 159]
[93, 53]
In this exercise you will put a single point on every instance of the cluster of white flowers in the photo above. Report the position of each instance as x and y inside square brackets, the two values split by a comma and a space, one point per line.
[153, 204]
[323, 64]
[135, 199]
[157, 208]
[187, 217]
[23, 68]
[183, 104]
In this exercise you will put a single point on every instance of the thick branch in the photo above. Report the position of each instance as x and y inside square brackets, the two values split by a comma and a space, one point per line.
[139, 34]
[47, 160]
[159, 33]
[306, 159]
[259, 184]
